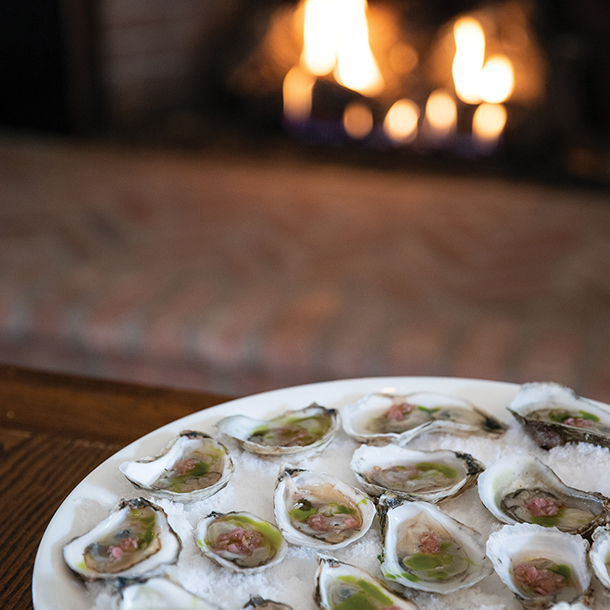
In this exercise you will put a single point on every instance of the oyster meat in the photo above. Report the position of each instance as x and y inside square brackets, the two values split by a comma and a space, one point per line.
[521, 489]
[240, 541]
[599, 555]
[379, 419]
[426, 549]
[553, 415]
[135, 540]
[341, 586]
[318, 510]
[194, 466]
[431, 476]
[265, 604]
[541, 566]
[306, 431]
[161, 594]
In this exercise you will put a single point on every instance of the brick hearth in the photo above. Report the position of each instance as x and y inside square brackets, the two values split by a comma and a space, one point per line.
[241, 275]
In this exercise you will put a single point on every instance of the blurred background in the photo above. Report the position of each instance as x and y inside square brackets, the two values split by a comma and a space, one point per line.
[239, 195]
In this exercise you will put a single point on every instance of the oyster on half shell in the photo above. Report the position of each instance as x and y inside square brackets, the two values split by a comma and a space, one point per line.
[553, 415]
[193, 466]
[599, 555]
[341, 586]
[135, 540]
[379, 418]
[161, 594]
[431, 476]
[426, 549]
[318, 510]
[294, 433]
[240, 541]
[541, 566]
[521, 489]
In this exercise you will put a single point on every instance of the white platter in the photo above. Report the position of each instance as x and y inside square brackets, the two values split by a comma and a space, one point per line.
[55, 587]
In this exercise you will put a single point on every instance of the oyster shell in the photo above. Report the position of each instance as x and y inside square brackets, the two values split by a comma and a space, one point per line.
[521, 489]
[306, 431]
[240, 541]
[599, 555]
[318, 510]
[379, 419]
[426, 549]
[431, 476]
[134, 540]
[541, 566]
[161, 594]
[553, 415]
[193, 466]
[265, 604]
[341, 586]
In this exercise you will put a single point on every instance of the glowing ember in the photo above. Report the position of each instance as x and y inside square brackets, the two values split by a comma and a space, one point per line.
[297, 89]
[488, 123]
[358, 120]
[400, 123]
[441, 114]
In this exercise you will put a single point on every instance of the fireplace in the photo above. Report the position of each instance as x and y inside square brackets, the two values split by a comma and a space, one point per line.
[511, 86]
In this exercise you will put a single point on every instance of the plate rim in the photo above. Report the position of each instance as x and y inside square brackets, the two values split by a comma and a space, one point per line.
[41, 601]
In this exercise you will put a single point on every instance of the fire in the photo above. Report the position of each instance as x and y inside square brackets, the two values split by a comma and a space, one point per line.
[497, 79]
[297, 91]
[476, 81]
[488, 123]
[336, 45]
[441, 114]
[469, 57]
[400, 123]
[319, 54]
[336, 39]
[358, 120]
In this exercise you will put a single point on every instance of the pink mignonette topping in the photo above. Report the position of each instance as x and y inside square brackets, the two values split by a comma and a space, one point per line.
[578, 422]
[543, 582]
[125, 545]
[542, 507]
[319, 523]
[429, 542]
[398, 412]
[350, 522]
[184, 466]
[240, 541]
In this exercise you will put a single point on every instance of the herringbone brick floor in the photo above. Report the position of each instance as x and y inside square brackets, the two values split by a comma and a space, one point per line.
[240, 275]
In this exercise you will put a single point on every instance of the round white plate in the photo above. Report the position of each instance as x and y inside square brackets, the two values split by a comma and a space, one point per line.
[54, 587]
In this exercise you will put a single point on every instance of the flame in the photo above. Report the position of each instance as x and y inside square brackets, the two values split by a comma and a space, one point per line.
[297, 93]
[497, 79]
[358, 120]
[468, 60]
[475, 81]
[400, 123]
[336, 37]
[441, 113]
[488, 123]
[356, 67]
[319, 54]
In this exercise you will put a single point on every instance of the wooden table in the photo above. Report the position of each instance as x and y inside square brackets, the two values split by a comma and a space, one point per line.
[54, 430]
